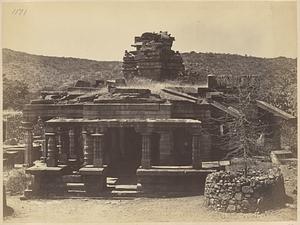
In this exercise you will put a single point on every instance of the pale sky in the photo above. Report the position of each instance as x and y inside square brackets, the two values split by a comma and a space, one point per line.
[103, 30]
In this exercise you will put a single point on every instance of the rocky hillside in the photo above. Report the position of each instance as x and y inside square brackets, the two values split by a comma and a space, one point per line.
[44, 71]
[199, 65]
[48, 72]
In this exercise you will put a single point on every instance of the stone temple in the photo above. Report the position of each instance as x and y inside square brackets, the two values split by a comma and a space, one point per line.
[153, 58]
[103, 134]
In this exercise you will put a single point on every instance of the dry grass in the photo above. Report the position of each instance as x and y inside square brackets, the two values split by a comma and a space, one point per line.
[154, 86]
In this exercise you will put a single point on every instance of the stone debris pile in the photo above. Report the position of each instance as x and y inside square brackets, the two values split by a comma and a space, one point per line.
[233, 192]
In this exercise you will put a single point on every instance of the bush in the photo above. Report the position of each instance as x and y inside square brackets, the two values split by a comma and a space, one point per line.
[238, 164]
[13, 120]
[17, 181]
[15, 93]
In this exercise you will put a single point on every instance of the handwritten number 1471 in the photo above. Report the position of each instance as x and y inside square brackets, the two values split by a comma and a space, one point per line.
[19, 12]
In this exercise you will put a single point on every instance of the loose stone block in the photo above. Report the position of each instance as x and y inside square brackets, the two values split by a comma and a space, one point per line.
[238, 196]
[231, 208]
[245, 203]
[247, 189]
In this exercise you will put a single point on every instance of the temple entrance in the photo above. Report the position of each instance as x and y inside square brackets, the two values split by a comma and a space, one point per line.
[123, 152]
[182, 147]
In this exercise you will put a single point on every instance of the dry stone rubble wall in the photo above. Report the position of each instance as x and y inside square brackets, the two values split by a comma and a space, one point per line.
[233, 192]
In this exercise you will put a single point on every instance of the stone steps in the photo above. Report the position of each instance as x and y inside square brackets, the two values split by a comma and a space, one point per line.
[125, 190]
[75, 186]
[76, 193]
[111, 180]
[124, 193]
[126, 187]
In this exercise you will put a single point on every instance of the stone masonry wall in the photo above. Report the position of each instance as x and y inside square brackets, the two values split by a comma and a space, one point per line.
[233, 192]
[101, 110]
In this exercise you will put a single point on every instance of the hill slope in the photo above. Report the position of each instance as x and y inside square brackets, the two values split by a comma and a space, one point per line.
[199, 65]
[43, 71]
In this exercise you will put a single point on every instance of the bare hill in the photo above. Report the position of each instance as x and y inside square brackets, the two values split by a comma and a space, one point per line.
[199, 65]
[44, 71]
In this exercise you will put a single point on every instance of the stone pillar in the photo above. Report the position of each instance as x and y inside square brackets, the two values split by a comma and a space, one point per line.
[156, 148]
[62, 154]
[212, 81]
[205, 147]
[88, 154]
[276, 137]
[52, 150]
[4, 129]
[166, 148]
[44, 151]
[114, 147]
[72, 152]
[27, 126]
[196, 150]
[122, 140]
[146, 150]
[93, 177]
[98, 149]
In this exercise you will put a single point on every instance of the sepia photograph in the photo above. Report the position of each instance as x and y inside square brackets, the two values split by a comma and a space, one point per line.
[149, 112]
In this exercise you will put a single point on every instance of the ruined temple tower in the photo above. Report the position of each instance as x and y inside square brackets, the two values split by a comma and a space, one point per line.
[153, 58]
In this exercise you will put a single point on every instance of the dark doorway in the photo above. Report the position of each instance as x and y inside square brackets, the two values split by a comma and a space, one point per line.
[155, 149]
[123, 152]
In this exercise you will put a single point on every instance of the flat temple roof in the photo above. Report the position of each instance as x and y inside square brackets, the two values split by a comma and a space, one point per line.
[129, 122]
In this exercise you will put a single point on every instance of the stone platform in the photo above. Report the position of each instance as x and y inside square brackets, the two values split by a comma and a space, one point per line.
[166, 179]
[48, 181]
[94, 179]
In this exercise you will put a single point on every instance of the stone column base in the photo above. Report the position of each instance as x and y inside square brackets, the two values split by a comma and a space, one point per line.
[47, 182]
[171, 180]
[94, 180]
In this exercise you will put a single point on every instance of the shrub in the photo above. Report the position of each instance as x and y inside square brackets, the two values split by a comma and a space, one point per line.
[17, 181]
[13, 125]
[238, 164]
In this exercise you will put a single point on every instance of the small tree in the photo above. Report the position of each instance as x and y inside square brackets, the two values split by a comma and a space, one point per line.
[245, 128]
[15, 93]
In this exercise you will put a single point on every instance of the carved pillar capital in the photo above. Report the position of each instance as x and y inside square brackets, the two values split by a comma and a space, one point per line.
[100, 130]
[195, 131]
[26, 125]
[144, 130]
